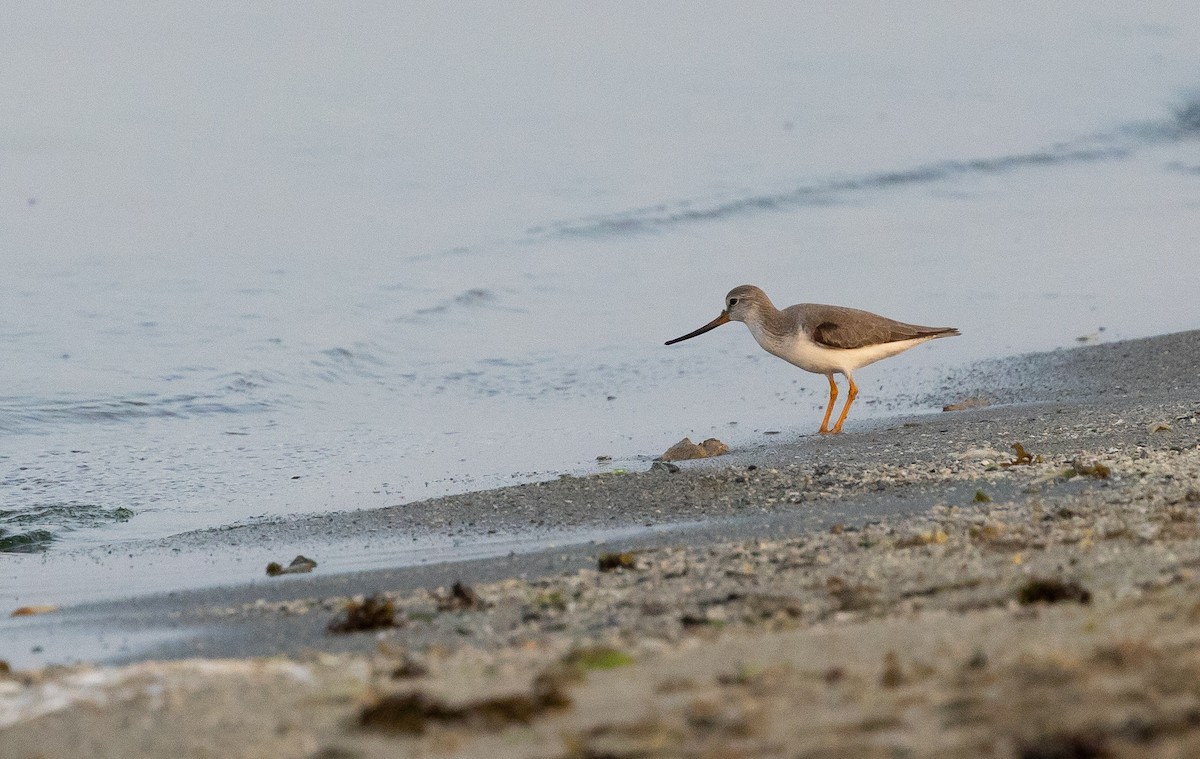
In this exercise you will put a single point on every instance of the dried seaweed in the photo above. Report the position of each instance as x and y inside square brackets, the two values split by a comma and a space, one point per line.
[1023, 457]
[1090, 469]
[1052, 590]
[299, 565]
[372, 613]
[414, 711]
[462, 598]
[609, 562]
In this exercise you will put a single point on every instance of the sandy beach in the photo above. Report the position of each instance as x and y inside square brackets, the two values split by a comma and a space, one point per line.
[916, 587]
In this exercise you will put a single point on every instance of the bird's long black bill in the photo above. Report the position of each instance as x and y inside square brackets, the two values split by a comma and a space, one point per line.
[722, 319]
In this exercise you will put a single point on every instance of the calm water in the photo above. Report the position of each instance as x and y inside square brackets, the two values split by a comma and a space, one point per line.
[270, 260]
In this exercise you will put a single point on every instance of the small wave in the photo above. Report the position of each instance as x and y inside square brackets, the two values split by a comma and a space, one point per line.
[21, 415]
[1183, 168]
[338, 365]
[1182, 124]
[1187, 118]
[474, 298]
[33, 541]
[246, 382]
[33, 529]
[829, 192]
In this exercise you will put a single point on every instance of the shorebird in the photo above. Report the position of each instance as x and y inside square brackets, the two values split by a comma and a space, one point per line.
[820, 339]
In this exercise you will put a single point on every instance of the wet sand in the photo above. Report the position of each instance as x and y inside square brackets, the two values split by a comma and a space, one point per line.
[904, 589]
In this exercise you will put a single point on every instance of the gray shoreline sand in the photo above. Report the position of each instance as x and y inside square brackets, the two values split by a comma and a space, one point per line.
[903, 589]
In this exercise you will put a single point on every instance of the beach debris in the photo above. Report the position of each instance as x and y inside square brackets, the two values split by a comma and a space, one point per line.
[462, 597]
[989, 532]
[653, 736]
[597, 658]
[1052, 590]
[1089, 469]
[1065, 746]
[1159, 427]
[892, 676]
[413, 712]
[745, 674]
[30, 611]
[718, 716]
[550, 600]
[936, 536]
[975, 401]
[685, 450]
[712, 616]
[299, 565]
[612, 561]
[409, 667]
[371, 613]
[1023, 457]
[603, 459]
[850, 596]
[982, 497]
[664, 466]
[766, 606]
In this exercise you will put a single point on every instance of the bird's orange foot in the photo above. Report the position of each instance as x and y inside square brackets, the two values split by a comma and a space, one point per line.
[824, 431]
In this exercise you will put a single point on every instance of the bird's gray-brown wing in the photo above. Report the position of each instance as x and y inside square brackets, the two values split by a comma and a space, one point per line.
[841, 327]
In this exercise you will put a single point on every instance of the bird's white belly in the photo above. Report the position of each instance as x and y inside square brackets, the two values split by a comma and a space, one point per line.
[801, 351]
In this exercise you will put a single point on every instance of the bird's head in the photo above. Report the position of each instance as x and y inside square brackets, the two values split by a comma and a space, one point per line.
[744, 303]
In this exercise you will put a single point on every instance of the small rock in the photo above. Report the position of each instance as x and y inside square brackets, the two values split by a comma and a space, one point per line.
[976, 401]
[371, 613]
[1052, 590]
[299, 565]
[1091, 469]
[892, 676]
[684, 450]
[610, 561]
[978, 660]
[462, 598]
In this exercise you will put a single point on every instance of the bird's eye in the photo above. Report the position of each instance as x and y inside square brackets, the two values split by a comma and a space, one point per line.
[733, 301]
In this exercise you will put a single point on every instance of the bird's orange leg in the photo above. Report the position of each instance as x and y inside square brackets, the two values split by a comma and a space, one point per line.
[833, 393]
[849, 399]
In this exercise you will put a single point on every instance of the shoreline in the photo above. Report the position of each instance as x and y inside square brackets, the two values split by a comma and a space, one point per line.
[538, 516]
[871, 472]
[755, 572]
